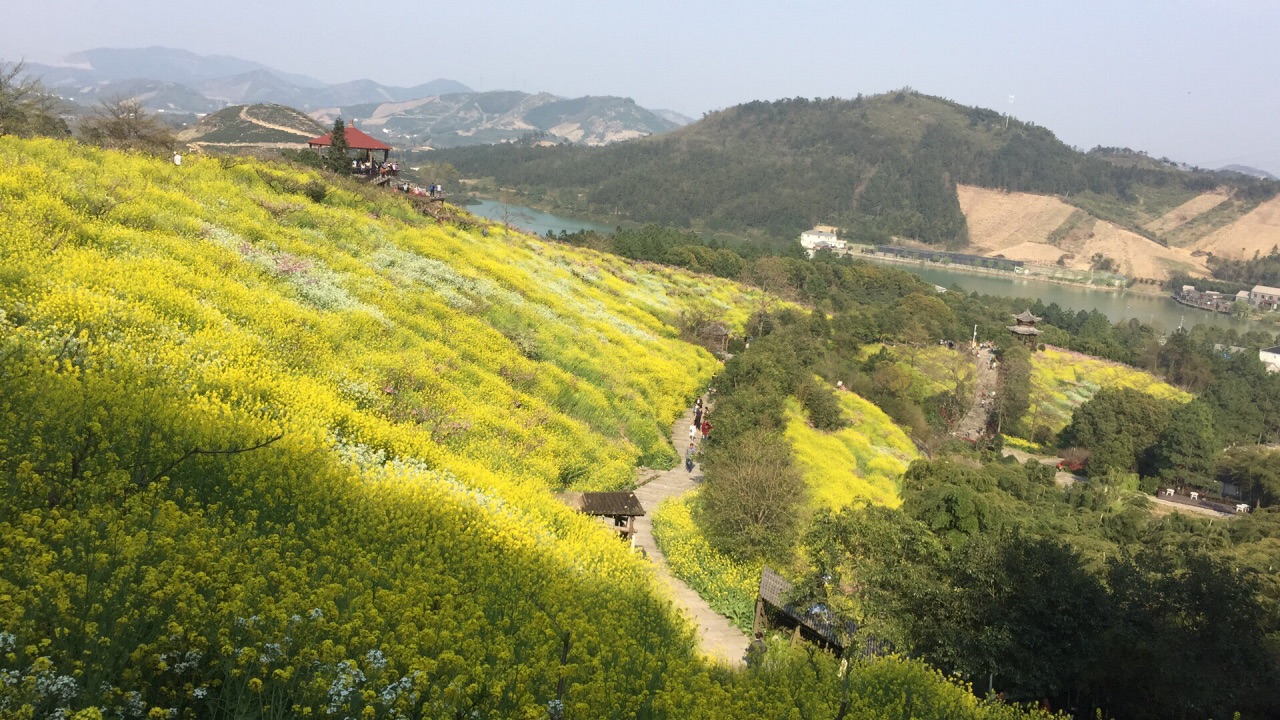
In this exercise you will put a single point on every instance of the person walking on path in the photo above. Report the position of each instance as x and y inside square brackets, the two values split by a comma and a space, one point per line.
[706, 429]
[693, 432]
[697, 417]
[756, 650]
[688, 457]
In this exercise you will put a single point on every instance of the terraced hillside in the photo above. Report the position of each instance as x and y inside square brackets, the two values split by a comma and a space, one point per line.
[1046, 230]
[273, 447]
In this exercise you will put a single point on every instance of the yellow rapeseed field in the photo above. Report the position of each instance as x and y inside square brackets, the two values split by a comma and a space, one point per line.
[862, 462]
[272, 447]
[1062, 380]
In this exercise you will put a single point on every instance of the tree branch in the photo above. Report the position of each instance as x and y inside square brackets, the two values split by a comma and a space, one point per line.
[199, 451]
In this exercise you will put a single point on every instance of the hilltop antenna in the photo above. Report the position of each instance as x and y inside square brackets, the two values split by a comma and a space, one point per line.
[1006, 115]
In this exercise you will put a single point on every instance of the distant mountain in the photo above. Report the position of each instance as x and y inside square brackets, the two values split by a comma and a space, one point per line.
[155, 95]
[360, 92]
[179, 66]
[439, 113]
[472, 118]
[673, 117]
[178, 80]
[1250, 171]
[241, 125]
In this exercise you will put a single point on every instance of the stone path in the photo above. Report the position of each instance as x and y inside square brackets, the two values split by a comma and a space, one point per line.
[987, 379]
[718, 637]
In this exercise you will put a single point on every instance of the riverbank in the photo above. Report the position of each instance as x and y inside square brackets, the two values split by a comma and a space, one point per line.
[1146, 303]
[969, 270]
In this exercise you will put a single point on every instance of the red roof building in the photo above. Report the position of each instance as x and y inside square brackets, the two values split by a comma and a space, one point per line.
[356, 140]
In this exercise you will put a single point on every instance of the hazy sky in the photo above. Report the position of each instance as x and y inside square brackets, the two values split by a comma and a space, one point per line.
[1194, 80]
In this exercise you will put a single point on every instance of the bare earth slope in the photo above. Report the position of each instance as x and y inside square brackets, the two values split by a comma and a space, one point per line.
[1019, 225]
[1258, 231]
[999, 220]
[1188, 210]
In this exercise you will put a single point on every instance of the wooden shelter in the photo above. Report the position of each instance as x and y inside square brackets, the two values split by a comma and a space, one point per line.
[621, 507]
[357, 140]
[715, 337]
[773, 611]
[1025, 326]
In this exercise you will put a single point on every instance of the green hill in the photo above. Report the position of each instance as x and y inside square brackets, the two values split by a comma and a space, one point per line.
[877, 166]
[263, 124]
[276, 448]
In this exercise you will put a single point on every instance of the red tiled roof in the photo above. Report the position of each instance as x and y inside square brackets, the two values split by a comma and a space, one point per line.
[356, 140]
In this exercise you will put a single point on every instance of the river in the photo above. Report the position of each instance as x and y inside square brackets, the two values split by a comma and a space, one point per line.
[534, 221]
[1157, 310]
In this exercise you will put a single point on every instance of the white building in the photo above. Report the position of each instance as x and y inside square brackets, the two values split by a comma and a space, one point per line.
[1270, 358]
[1265, 298]
[820, 238]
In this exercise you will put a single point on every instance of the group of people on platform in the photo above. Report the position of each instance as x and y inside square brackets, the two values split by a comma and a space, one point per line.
[433, 191]
[699, 427]
[373, 167]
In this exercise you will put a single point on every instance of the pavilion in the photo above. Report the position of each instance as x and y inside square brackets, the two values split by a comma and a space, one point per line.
[621, 507]
[1025, 326]
[356, 140]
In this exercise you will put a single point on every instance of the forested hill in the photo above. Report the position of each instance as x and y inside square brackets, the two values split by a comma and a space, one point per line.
[876, 166]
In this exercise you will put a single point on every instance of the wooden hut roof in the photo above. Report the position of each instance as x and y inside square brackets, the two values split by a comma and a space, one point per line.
[613, 504]
[774, 590]
[1024, 330]
[1026, 317]
[356, 140]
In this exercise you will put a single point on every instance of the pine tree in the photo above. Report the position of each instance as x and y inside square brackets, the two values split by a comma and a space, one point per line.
[337, 159]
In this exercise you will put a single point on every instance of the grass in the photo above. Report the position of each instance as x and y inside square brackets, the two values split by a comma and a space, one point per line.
[1209, 221]
[1073, 221]
[933, 368]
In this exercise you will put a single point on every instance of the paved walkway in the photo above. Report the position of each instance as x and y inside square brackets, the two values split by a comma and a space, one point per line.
[718, 637]
[986, 380]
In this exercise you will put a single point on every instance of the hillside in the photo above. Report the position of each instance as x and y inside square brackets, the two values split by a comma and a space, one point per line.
[1062, 381]
[878, 167]
[1046, 230]
[252, 125]
[459, 119]
[273, 447]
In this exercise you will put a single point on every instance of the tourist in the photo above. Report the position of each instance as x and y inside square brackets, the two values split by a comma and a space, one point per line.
[756, 650]
[697, 417]
[706, 429]
[693, 432]
[177, 159]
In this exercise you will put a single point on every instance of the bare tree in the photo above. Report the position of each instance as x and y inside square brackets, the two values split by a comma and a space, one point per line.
[26, 107]
[123, 124]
